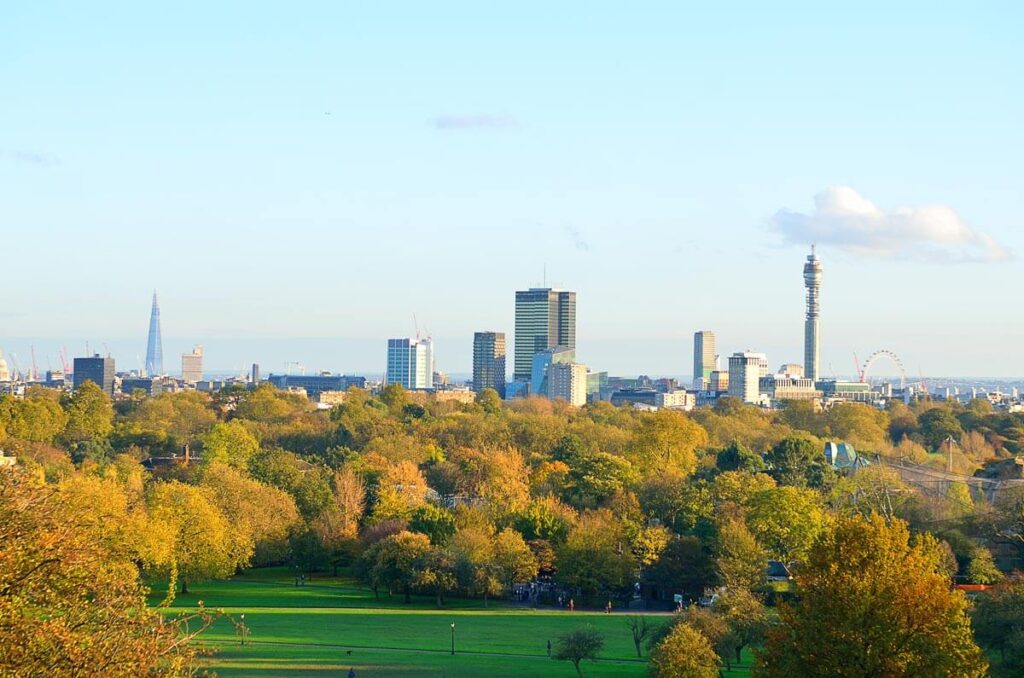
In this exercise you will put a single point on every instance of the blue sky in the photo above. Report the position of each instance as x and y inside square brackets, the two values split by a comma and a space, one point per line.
[298, 179]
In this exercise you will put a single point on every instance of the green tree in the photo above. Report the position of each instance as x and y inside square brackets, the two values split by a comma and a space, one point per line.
[998, 618]
[230, 443]
[38, 417]
[739, 457]
[741, 562]
[938, 424]
[577, 645]
[595, 557]
[873, 604]
[684, 567]
[90, 414]
[513, 559]
[786, 521]
[434, 521]
[799, 462]
[399, 562]
[472, 553]
[489, 401]
[981, 569]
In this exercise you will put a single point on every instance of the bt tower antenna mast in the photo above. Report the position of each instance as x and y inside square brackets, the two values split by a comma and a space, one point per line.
[812, 322]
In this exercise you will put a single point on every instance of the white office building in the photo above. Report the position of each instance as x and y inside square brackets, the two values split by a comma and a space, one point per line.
[745, 372]
[192, 366]
[411, 363]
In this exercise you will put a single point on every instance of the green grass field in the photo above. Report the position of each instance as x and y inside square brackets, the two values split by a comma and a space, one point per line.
[331, 625]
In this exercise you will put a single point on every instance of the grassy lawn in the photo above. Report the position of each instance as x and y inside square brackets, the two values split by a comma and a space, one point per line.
[332, 624]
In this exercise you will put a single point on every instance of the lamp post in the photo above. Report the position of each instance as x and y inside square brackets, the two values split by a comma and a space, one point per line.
[453, 638]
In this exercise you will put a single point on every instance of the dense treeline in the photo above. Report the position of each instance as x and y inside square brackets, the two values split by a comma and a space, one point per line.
[418, 496]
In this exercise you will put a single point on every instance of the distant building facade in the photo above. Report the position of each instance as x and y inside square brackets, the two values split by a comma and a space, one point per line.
[97, 369]
[489, 361]
[192, 365]
[545, 318]
[704, 358]
[316, 384]
[568, 382]
[410, 363]
[745, 372]
[542, 360]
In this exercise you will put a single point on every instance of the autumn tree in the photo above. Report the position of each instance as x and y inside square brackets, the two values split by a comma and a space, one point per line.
[873, 604]
[595, 556]
[684, 653]
[667, 440]
[513, 559]
[201, 541]
[260, 517]
[68, 604]
[472, 553]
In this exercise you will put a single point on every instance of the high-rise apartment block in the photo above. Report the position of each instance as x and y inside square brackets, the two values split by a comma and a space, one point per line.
[192, 365]
[410, 363]
[812, 323]
[745, 372]
[568, 382]
[704, 358]
[545, 318]
[489, 361]
[96, 369]
[154, 344]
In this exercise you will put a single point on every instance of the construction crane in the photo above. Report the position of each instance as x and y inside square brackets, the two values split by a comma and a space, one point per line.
[35, 370]
[64, 360]
[288, 365]
[856, 366]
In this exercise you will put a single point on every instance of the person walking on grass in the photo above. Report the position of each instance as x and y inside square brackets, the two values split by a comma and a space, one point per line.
[549, 647]
[352, 673]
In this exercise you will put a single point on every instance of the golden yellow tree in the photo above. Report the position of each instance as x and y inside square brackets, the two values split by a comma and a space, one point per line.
[872, 603]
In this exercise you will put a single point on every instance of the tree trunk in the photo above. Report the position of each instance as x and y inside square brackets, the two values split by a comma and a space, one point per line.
[408, 599]
[576, 663]
[184, 585]
[739, 654]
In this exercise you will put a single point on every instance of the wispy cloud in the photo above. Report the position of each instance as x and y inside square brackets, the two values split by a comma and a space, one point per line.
[479, 121]
[578, 241]
[844, 219]
[30, 157]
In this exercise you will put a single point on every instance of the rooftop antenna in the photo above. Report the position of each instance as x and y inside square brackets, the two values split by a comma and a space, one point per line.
[416, 324]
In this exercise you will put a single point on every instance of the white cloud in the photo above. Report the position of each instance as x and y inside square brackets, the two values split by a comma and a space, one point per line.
[844, 219]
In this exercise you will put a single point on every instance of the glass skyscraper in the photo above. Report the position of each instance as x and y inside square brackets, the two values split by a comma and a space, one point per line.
[545, 318]
[154, 346]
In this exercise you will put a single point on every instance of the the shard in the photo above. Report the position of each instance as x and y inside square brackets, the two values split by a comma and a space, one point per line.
[154, 347]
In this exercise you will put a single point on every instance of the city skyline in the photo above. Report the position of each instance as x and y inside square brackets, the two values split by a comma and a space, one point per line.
[666, 180]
